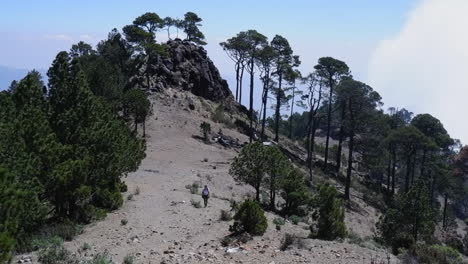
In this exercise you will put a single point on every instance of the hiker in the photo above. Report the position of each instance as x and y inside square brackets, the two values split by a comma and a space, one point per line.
[205, 195]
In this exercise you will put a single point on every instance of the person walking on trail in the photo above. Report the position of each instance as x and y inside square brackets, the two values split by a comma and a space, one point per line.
[205, 195]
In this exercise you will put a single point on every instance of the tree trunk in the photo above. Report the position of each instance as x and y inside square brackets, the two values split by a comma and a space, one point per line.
[135, 125]
[278, 104]
[312, 145]
[423, 163]
[340, 142]
[251, 113]
[330, 83]
[257, 193]
[272, 195]
[309, 140]
[413, 169]
[350, 166]
[240, 83]
[144, 127]
[389, 174]
[393, 170]
[444, 218]
[291, 116]
[237, 81]
[265, 100]
[408, 173]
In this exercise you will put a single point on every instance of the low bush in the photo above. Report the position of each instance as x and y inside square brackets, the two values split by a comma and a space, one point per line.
[206, 130]
[56, 254]
[422, 253]
[279, 221]
[85, 247]
[294, 219]
[287, 241]
[101, 258]
[196, 204]
[225, 215]
[250, 218]
[129, 259]
[194, 188]
[124, 222]
[329, 214]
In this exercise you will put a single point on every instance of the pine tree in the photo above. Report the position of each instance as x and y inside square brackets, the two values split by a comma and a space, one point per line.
[329, 214]
[250, 166]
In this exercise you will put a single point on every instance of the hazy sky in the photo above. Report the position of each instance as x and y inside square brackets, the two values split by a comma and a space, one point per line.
[413, 52]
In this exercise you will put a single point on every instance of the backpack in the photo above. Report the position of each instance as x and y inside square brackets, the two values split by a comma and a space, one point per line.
[205, 192]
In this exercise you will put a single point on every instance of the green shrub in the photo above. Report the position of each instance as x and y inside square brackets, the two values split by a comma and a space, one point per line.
[295, 219]
[250, 218]
[225, 215]
[408, 212]
[219, 116]
[102, 258]
[7, 244]
[129, 259]
[196, 204]
[194, 187]
[287, 241]
[130, 197]
[295, 193]
[329, 214]
[206, 130]
[124, 222]
[226, 241]
[66, 230]
[56, 254]
[437, 254]
[279, 221]
[354, 238]
[85, 247]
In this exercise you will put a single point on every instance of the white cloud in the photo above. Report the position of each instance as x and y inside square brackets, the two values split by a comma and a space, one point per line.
[61, 37]
[86, 37]
[425, 66]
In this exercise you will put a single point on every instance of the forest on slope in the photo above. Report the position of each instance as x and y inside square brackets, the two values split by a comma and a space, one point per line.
[65, 147]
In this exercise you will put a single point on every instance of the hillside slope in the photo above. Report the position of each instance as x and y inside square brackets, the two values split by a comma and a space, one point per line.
[163, 226]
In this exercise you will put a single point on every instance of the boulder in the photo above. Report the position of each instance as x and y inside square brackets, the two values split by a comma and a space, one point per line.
[187, 67]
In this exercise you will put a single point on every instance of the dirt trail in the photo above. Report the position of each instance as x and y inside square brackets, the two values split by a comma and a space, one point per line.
[164, 227]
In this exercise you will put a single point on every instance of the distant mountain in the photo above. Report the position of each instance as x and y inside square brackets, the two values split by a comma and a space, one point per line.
[8, 74]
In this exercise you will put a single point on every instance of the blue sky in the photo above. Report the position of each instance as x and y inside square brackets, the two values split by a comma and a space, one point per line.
[405, 49]
[305, 23]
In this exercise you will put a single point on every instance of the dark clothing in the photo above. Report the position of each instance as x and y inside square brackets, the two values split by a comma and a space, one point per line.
[205, 195]
[205, 199]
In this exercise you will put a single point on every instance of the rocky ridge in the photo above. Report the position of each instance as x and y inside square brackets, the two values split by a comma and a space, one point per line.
[187, 67]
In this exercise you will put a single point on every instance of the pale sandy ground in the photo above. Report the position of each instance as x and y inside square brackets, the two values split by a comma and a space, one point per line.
[163, 226]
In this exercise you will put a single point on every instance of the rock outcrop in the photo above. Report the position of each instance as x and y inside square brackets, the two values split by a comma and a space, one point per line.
[187, 67]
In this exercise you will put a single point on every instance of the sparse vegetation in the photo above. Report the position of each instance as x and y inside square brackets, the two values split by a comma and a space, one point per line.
[294, 219]
[194, 187]
[329, 214]
[196, 204]
[129, 259]
[206, 130]
[288, 240]
[225, 215]
[422, 253]
[85, 247]
[279, 221]
[250, 218]
[66, 143]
